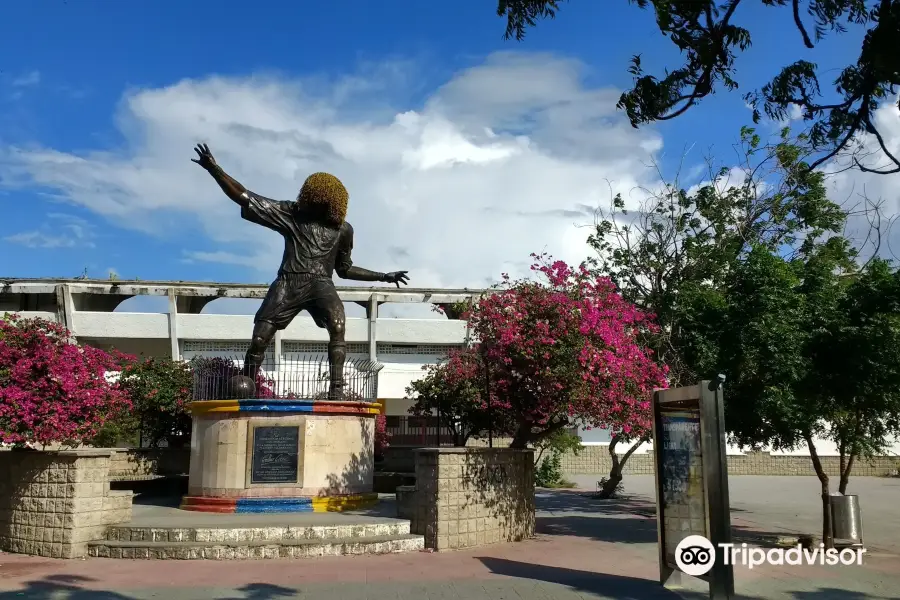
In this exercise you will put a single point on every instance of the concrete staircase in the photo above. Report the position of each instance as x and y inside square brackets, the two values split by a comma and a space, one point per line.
[241, 543]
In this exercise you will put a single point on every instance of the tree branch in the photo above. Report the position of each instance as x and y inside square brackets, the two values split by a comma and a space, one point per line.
[806, 41]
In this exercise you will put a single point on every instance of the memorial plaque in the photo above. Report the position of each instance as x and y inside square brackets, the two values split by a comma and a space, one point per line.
[683, 495]
[275, 451]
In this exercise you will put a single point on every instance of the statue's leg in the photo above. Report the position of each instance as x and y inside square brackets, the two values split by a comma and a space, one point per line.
[327, 309]
[263, 333]
[281, 304]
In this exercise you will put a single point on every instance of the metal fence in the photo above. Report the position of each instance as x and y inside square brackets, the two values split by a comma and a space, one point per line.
[288, 377]
[418, 431]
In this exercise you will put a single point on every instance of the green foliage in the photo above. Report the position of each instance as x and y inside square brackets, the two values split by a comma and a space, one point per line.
[549, 472]
[160, 390]
[559, 442]
[709, 36]
[672, 254]
[763, 342]
[858, 356]
[754, 281]
[455, 389]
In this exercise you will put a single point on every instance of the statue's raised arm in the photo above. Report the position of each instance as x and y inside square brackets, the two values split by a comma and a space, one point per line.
[232, 188]
[274, 214]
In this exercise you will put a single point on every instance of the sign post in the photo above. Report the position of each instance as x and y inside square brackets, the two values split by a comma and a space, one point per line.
[692, 486]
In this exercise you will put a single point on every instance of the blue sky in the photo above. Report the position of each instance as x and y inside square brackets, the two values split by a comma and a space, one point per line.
[100, 100]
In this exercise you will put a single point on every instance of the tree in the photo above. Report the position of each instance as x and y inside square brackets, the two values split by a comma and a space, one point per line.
[709, 37]
[160, 392]
[565, 350]
[858, 355]
[744, 280]
[455, 390]
[552, 352]
[809, 354]
[53, 390]
[679, 245]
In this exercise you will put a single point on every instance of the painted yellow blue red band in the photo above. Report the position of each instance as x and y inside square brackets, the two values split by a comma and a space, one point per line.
[200, 407]
[278, 504]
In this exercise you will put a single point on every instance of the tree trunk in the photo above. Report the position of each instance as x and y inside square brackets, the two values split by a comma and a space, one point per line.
[845, 474]
[521, 437]
[618, 465]
[847, 466]
[525, 434]
[827, 529]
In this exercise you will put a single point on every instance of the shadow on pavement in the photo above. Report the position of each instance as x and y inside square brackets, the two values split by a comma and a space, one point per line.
[601, 584]
[76, 587]
[627, 520]
[631, 588]
[63, 587]
[263, 591]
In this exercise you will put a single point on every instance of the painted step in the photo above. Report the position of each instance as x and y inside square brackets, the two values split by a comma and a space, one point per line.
[127, 533]
[257, 549]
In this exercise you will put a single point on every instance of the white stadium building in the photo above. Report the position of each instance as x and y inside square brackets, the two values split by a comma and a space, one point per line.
[92, 311]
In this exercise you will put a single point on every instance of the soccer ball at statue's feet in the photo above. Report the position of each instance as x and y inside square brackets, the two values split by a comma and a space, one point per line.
[241, 387]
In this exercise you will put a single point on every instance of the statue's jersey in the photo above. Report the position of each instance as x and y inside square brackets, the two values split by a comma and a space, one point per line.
[310, 247]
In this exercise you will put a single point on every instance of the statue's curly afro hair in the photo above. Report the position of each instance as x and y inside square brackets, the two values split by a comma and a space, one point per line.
[325, 192]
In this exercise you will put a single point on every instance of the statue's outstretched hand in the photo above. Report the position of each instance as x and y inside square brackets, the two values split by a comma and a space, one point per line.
[396, 277]
[205, 159]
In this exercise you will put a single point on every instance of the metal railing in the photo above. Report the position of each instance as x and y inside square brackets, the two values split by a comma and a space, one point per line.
[417, 431]
[302, 378]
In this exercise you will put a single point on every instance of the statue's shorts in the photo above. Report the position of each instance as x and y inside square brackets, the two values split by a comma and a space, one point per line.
[292, 293]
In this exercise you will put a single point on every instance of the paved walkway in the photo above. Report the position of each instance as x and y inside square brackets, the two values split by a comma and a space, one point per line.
[793, 504]
[585, 549]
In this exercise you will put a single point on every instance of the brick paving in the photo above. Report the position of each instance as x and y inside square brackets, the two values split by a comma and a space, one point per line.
[584, 549]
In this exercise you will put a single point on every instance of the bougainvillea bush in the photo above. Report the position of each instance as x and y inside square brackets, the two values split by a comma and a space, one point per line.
[51, 389]
[454, 390]
[565, 348]
[160, 392]
[382, 437]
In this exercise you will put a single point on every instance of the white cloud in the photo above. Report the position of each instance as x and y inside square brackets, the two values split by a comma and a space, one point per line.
[852, 188]
[63, 231]
[502, 160]
[27, 80]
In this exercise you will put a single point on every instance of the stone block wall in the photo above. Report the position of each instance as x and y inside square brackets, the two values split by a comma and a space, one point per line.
[466, 497]
[595, 460]
[53, 503]
[134, 464]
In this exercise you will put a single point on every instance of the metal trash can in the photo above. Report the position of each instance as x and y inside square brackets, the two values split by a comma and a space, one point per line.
[846, 518]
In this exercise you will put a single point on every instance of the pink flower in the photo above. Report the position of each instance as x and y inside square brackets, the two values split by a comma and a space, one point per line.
[52, 390]
[568, 345]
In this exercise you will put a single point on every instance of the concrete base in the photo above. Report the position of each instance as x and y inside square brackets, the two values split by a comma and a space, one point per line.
[334, 455]
[161, 532]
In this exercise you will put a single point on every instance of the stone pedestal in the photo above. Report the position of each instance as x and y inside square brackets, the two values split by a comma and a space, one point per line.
[53, 503]
[281, 455]
[467, 497]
